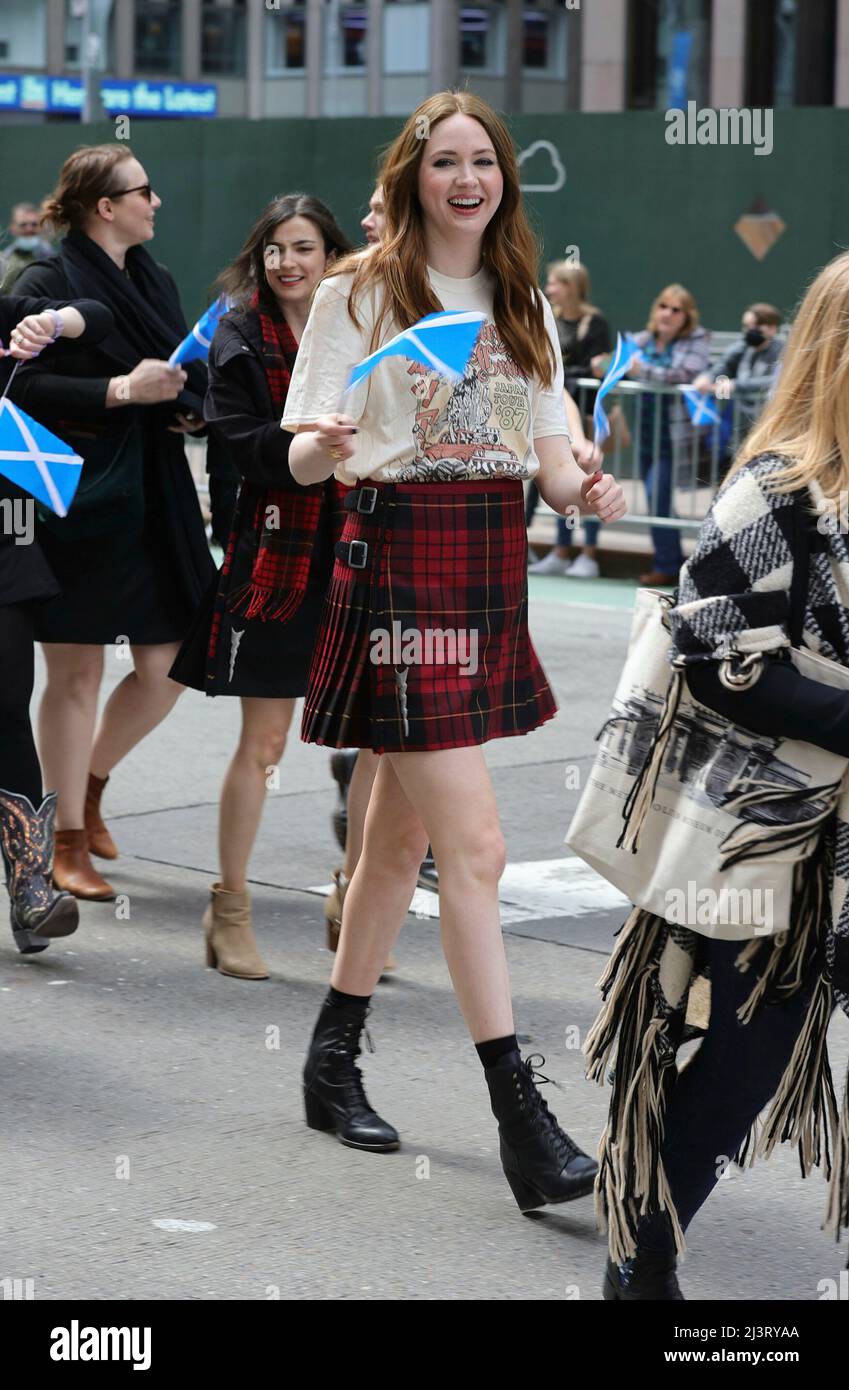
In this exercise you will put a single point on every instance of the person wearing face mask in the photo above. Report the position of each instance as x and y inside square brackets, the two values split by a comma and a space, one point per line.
[749, 369]
[131, 558]
[253, 636]
[26, 245]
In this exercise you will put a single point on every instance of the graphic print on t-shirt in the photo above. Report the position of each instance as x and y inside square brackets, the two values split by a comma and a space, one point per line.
[473, 428]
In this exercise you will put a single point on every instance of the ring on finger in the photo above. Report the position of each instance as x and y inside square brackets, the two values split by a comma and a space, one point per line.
[335, 453]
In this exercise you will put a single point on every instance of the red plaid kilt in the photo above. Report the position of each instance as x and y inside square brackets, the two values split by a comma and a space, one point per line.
[440, 558]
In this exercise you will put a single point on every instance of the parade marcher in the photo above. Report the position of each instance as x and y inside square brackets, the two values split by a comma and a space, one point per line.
[27, 817]
[254, 635]
[131, 559]
[769, 1011]
[435, 539]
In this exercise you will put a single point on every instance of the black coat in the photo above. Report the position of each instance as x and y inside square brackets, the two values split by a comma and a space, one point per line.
[70, 395]
[244, 420]
[24, 572]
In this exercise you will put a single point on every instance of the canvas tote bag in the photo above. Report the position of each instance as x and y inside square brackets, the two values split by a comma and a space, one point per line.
[691, 816]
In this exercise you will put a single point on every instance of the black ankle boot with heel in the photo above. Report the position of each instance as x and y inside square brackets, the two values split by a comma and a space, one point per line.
[541, 1163]
[648, 1276]
[334, 1096]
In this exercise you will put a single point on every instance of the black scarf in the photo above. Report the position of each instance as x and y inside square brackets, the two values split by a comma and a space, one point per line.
[145, 305]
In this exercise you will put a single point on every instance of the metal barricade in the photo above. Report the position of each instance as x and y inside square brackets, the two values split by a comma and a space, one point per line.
[689, 461]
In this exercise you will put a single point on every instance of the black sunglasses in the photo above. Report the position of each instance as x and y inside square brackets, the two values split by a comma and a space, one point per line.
[143, 188]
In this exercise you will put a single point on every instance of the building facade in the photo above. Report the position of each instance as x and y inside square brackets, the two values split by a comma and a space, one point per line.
[270, 58]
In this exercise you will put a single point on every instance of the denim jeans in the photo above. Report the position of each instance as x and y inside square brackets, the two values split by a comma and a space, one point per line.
[668, 557]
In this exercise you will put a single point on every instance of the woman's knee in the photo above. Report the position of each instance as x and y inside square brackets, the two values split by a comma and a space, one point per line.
[264, 749]
[396, 847]
[78, 677]
[480, 854]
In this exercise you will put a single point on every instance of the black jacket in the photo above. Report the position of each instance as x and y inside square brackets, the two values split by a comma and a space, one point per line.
[24, 572]
[69, 397]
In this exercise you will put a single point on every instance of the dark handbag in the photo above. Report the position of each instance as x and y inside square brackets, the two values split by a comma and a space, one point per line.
[110, 495]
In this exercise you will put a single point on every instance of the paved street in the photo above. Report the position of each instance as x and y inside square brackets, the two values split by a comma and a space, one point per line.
[141, 1089]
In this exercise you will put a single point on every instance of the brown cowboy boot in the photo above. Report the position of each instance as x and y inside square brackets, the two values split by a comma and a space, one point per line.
[100, 842]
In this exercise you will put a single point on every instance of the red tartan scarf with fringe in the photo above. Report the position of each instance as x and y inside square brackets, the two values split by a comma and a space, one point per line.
[285, 522]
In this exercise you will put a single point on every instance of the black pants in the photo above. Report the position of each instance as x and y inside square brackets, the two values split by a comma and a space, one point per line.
[19, 766]
[723, 1089]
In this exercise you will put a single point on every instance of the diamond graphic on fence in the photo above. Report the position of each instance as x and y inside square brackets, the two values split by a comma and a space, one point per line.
[759, 228]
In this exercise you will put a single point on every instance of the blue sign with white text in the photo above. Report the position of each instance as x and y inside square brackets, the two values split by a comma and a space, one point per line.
[128, 96]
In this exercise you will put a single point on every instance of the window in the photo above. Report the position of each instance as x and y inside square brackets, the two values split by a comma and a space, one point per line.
[790, 52]
[286, 40]
[223, 40]
[158, 37]
[536, 40]
[406, 37]
[23, 33]
[474, 36]
[346, 34]
[668, 53]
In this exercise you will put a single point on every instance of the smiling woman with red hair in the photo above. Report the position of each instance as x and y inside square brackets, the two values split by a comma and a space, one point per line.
[435, 540]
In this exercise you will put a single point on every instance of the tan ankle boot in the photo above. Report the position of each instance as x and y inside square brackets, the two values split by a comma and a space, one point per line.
[333, 914]
[230, 944]
[74, 871]
[100, 842]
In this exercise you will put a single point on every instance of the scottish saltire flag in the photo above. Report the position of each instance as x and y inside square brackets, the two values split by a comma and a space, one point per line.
[443, 341]
[699, 407]
[35, 460]
[626, 351]
[195, 345]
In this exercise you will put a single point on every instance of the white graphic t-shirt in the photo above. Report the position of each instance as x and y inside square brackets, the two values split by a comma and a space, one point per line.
[414, 425]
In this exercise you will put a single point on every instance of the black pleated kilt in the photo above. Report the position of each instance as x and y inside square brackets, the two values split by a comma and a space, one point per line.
[424, 638]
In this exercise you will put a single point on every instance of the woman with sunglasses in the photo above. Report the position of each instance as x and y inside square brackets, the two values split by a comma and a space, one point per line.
[435, 540]
[131, 558]
[674, 350]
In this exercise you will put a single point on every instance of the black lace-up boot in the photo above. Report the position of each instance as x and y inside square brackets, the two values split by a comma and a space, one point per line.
[27, 839]
[541, 1163]
[334, 1096]
[650, 1274]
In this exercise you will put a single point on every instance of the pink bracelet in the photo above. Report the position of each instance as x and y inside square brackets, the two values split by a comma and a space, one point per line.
[57, 323]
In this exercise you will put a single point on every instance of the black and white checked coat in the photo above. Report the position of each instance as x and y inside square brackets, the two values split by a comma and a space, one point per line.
[734, 595]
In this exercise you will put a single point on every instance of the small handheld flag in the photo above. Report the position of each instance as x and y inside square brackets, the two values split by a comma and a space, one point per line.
[700, 410]
[195, 345]
[626, 351]
[35, 460]
[443, 341]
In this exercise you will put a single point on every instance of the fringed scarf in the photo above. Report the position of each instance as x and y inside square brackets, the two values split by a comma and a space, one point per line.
[284, 522]
[654, 986]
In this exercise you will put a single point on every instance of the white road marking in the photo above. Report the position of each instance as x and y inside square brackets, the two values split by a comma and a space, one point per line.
[536, 888]
[170, 1224]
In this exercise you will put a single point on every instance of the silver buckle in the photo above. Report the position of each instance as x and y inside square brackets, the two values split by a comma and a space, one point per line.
[372, 498]
[363, 549]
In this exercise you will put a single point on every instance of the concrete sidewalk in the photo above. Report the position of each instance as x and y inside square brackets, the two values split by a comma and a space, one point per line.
[140, 1088]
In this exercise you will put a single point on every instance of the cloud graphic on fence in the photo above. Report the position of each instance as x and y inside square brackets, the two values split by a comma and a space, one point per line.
[548, 173]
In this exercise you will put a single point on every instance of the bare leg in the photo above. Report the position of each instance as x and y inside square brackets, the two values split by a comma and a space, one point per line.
[447, 795]
[359, 792]
[265, 725]
[383, 884]
[136, 706]
[66, 720]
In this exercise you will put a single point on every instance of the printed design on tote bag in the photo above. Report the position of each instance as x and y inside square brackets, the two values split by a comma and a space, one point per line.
[713, 759]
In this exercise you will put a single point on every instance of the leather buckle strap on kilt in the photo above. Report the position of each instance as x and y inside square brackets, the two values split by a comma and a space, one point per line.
[353, 553]
[361, 499]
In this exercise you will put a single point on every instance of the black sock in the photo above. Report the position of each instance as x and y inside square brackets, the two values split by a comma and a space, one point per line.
[337, 1000]
[489, 1052]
